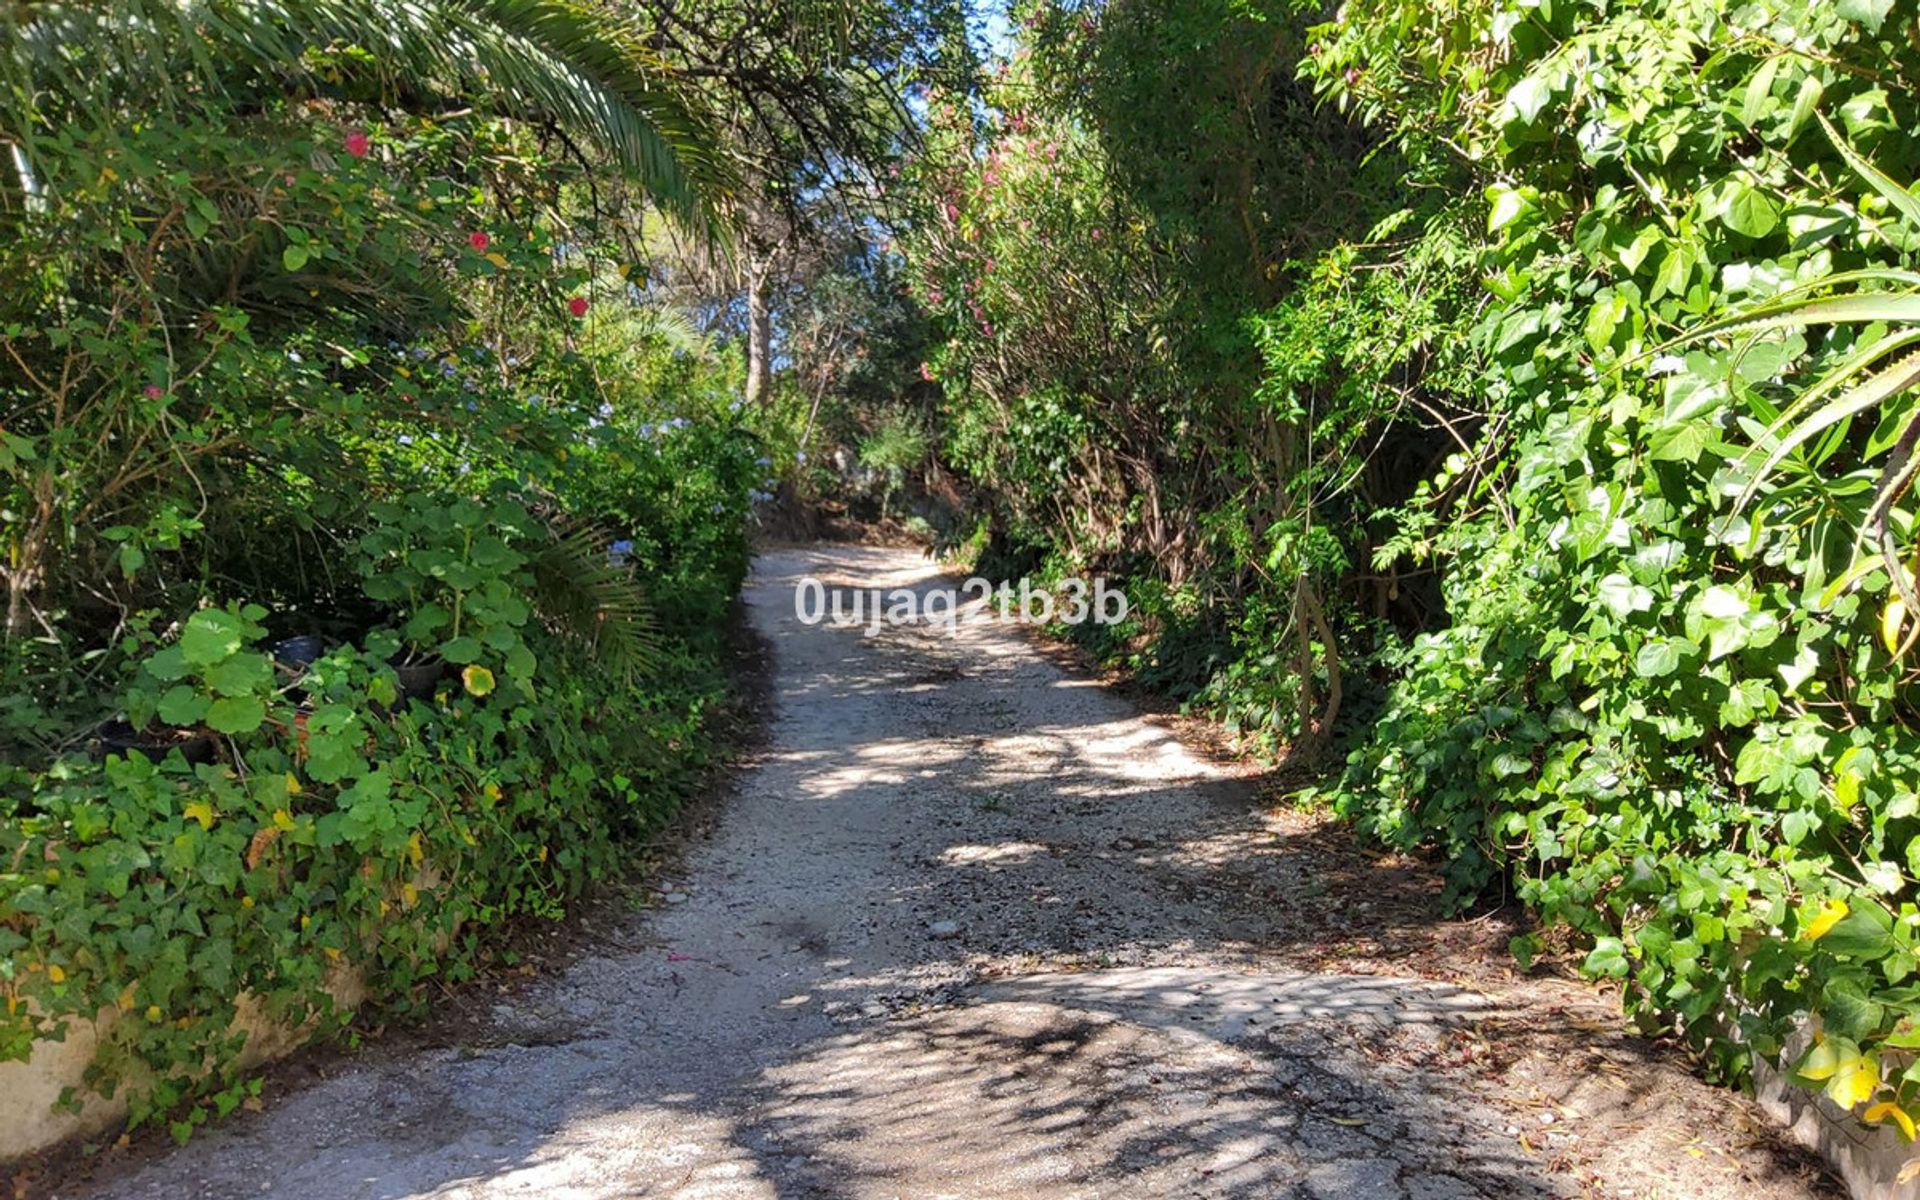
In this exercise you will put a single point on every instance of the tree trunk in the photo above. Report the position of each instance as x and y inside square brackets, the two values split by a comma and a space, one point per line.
[759, 335]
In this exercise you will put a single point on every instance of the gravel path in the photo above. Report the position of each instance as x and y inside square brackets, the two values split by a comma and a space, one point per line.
[974, 927]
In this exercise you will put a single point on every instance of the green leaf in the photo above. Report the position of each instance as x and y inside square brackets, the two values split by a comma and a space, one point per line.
[1804, 103]
[1756, 99]
[236, 714]
[1623, 597]
[1865, 932]
[425, 622]
[1682, 441]
[1871, 13]
[294, 257]
[1848, 1010]
[167, 664]
[1750, 213]
[1659, 657]
[1608, 957]
[1528, 97]
[1508, 205]
[1798, 824]
[240, 675]
[463, 649]
[210, 636]
[182, 705]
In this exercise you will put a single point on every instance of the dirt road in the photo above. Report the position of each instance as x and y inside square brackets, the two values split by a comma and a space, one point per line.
[972, 926]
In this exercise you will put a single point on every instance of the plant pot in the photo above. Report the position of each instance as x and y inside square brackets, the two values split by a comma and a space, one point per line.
[298, 653]
[154, 744]
[418, 679]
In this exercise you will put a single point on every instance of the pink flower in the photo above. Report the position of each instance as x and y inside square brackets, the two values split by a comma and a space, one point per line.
[936, 296]
[577, 306]
[1098, 234]
[357, 143]
[153, 391]
[926, 372]
[477, 240]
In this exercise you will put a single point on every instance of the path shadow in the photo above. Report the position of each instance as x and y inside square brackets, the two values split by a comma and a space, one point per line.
[1145, 989]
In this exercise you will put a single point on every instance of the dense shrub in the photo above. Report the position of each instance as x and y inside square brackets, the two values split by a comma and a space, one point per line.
[1459, 473]
[1650, 707]
[294, 366]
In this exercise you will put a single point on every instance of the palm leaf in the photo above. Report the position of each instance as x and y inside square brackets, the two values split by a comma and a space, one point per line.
[1867, 378]
[588, 73]
[583, 593]
[1870, 393]
[1902, 200]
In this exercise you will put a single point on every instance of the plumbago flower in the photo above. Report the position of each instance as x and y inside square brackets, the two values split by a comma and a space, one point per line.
[478, 240]
[357, 143]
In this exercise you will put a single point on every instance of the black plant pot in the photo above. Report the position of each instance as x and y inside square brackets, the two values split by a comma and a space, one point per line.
[418, 679]
[154, 744]
[298, 653]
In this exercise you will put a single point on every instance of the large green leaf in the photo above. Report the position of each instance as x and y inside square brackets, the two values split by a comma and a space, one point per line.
[1865, 932]
[236, 714]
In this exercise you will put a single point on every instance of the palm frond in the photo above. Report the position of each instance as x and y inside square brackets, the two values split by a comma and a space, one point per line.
[1877, 374]
[673, 328]
[586, 72]
[583, 592]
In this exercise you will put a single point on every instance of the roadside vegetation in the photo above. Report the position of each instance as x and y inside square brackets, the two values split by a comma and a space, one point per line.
[375, 488]
[1500, 411]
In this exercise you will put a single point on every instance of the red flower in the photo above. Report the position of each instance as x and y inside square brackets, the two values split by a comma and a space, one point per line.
[357, 143]
[577, 306]
[477, 240]
[153, 391]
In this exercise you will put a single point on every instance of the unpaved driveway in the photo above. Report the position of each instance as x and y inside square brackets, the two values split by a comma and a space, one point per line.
[973, 927]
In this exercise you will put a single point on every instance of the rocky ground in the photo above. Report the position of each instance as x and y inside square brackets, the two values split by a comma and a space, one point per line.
[972, 925]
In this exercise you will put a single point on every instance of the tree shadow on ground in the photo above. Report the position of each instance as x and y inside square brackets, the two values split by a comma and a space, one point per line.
[1049, 952]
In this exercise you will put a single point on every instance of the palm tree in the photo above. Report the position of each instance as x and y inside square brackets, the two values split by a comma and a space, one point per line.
[584, 73]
